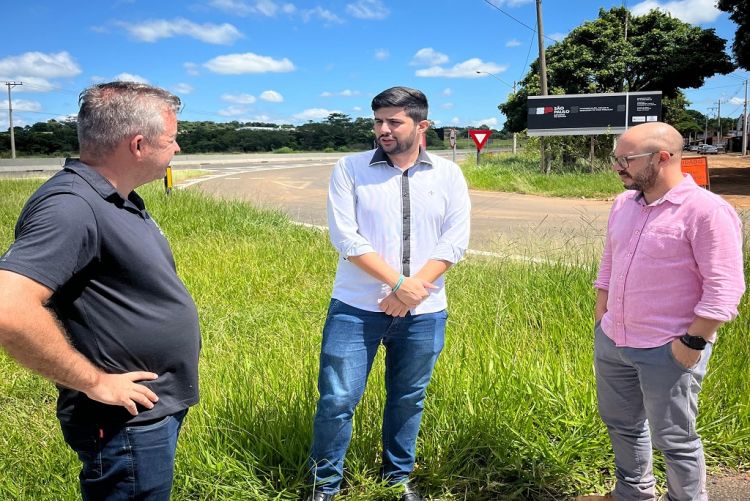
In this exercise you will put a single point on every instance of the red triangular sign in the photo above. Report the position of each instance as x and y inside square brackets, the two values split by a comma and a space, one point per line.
[480, 137]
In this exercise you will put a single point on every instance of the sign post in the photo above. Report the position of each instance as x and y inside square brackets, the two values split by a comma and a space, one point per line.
[453, 143]
[584, 114]
[697, 167]
[480, 138]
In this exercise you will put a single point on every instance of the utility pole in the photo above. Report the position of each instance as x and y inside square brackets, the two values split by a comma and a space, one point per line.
[542, 77]
[718, 139]
[10, 118]
[514, 93]
[709, 110]
[744, 125]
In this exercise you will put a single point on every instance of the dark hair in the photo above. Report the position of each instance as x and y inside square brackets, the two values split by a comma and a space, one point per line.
[113, 111]
[413, 101]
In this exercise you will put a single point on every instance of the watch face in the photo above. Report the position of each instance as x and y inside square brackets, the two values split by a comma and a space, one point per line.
[695, 342]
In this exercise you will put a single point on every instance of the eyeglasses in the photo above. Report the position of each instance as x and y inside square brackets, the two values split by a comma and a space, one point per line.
[623, 161]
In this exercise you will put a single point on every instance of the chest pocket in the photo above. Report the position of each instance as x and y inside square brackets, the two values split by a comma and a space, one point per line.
[661, 242]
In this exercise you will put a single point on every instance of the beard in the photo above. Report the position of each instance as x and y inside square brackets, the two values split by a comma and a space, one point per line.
[642, 181]
[398, 146]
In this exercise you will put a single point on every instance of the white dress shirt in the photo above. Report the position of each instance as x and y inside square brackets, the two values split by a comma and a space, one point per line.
[407, 217]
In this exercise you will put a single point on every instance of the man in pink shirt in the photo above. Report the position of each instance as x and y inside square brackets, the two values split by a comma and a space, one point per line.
[670, 275]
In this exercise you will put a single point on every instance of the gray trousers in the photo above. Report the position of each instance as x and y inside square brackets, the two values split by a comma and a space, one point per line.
[646, 396]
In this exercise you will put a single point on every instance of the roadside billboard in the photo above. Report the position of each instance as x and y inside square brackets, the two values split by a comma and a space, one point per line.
[577, 114]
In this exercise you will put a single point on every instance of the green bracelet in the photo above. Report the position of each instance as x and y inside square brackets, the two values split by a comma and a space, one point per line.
[398, 284]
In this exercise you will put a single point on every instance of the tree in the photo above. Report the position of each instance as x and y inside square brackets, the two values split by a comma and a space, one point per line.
[658, 52]
[739, 12]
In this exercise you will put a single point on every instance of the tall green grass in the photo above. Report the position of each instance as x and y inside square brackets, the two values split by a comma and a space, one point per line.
[511, 411]
[521, 174]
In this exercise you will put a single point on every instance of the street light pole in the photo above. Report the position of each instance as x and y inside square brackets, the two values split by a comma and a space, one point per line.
[514, 92]
[10, 119]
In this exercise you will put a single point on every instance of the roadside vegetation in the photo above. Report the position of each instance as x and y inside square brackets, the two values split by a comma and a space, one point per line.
[522, 173]
[511, 410]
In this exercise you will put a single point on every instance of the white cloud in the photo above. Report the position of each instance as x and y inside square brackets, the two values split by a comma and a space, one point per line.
[368, 9]
[557, 36]
[512, 43]
[455, 120]
[325, 93]
[151, 31]
[737, 101]
[183, 88]
[238, 98]
[437, 122]
[313, 114]
[271, 96]
[21, 105]
[382, 54]
[428, 57]
[239, 64]
[349, 93]
[267, 8]
[232, 111]
[191, 68]
[129, 77]
[356, 108]
[489, 122]
[320, 13]
[67, 118]
[467, 69]
[40, 65]
[29, 84]
[447, 91]
[689, 11]
[447, 106]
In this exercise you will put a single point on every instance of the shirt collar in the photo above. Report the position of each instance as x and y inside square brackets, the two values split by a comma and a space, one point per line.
[381, 156]
[677, 195]
[100, 184]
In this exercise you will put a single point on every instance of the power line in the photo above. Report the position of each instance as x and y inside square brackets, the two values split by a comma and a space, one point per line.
[488, 2]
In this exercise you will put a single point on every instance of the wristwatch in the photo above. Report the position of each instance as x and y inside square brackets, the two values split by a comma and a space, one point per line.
[694, 342]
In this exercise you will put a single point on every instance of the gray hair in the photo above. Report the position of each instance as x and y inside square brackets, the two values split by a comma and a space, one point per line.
[413, 101]
[111, 112]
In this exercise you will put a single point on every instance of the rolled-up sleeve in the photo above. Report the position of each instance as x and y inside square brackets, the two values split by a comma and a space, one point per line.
[717, 248]
[454, 237]
[342, 216]
[605, 264]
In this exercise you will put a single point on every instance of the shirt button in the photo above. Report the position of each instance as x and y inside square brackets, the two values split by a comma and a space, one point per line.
[637, 232]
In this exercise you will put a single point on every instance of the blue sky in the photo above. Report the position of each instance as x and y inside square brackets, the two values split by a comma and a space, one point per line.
[290, 61]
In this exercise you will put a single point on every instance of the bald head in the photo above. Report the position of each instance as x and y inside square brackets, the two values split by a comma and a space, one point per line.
[653, 136]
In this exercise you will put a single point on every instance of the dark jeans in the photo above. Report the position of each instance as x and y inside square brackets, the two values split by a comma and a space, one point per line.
[351, 338]
[128, 463]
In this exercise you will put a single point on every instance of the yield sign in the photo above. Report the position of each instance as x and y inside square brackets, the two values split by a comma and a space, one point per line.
[480, 137]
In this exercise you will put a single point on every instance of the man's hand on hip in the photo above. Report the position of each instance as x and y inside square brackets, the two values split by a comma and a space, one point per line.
[122, 390]
[685, 356]
[413, 291]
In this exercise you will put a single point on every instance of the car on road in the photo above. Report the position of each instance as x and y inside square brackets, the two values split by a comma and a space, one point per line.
[709, 149]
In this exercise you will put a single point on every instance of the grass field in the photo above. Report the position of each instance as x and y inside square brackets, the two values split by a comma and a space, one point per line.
[521, 174]
[511, 410]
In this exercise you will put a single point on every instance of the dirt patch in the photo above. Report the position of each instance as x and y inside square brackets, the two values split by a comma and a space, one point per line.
[730, 177]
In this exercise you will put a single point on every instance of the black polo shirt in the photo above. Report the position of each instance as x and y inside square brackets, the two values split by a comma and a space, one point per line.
[115, 289]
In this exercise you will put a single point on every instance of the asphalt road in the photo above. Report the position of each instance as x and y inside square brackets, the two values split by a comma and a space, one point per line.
[502, 223]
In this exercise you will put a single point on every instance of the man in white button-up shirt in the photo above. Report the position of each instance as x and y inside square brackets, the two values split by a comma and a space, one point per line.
[399, 218]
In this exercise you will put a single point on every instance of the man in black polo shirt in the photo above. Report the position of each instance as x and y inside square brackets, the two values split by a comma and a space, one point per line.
[90, 299]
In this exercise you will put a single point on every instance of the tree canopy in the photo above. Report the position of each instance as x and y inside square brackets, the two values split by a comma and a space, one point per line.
[618, 52]
[739, 12]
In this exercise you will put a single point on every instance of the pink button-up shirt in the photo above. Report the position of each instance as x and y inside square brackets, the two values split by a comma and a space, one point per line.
[667, 262]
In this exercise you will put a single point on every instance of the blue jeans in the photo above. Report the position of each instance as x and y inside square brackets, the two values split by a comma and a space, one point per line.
[127, 463]
[351, 338]
[646, 396]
